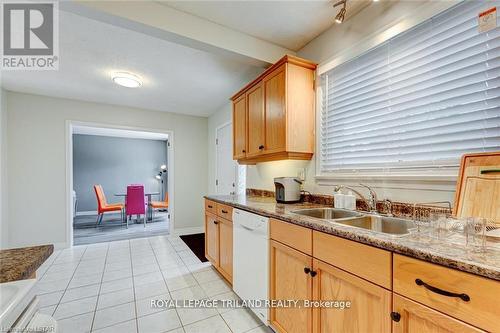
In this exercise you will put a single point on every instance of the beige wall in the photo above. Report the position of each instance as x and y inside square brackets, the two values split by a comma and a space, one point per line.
[373, 25]
[37, 160]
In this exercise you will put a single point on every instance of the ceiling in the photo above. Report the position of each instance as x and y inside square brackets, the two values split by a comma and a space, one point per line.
[290, 24]
[119, 133]
[176, 78]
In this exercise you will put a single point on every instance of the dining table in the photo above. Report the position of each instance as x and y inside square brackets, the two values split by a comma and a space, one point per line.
[149, 195]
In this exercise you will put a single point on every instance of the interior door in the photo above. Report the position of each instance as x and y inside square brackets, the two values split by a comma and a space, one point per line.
[226, 167]
[255, 107]
[370, 307]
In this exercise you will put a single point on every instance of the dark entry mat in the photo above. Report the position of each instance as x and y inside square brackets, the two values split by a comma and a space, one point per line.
[196, 242]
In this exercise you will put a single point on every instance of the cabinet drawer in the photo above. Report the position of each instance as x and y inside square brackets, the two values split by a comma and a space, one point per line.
[370, 263]
[481, 309]
[295, 236]
[226, 212]
[210, 206]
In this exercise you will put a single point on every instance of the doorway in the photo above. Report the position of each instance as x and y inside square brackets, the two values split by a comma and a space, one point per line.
[114, 158]
[229, 175]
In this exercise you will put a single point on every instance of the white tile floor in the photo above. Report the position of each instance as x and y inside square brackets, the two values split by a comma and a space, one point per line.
[108, 287]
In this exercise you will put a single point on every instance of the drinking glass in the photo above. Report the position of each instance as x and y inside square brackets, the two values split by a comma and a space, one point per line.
[475, 234]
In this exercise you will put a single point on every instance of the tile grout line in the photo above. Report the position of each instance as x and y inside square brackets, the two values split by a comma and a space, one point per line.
[79, 261]
[99, 291]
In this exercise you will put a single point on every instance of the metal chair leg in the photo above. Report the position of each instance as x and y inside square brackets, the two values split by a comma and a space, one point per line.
[145, 218]
[97, 221]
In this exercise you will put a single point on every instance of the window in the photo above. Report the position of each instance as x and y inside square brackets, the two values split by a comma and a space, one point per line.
[419, 100]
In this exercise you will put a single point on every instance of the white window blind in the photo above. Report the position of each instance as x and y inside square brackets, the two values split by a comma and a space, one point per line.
[421, 99]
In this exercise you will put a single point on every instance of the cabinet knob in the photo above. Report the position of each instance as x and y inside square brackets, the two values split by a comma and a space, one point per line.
[313, 273]
[261, 147]
[243, 151]
[395, 316]
[216, 222]
[307, 270]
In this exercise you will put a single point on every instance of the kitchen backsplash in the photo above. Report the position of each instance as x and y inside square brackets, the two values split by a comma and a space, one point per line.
[399, 209]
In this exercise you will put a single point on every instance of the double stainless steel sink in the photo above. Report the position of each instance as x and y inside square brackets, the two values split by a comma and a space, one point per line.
[378, 223]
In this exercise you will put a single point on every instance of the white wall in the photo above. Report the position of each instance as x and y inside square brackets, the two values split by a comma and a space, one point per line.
[374, 24]
[37, 159]
[4, 231]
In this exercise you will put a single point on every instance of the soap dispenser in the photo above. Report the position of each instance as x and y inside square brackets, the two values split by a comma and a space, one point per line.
[338, 199]
[350, 201]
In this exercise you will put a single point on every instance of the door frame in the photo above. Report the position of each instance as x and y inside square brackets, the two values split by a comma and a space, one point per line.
[70, 124]
[236, 173]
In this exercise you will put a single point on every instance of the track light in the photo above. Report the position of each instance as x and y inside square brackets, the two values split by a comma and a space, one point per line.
[341, 15]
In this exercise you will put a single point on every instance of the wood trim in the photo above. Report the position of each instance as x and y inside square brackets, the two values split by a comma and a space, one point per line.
[367, 262]
[275, 157]
[466, 161]
[286, 59]
[300, 238]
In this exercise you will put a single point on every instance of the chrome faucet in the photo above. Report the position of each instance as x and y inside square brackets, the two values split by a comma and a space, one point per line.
[371, 202]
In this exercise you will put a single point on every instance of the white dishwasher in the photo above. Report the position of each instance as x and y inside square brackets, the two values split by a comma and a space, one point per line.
[251, 258]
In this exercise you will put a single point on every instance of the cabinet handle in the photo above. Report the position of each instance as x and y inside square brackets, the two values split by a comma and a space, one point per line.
[216, 222]
[463, 297]
[210, 206]
[261, 147]
[224, 211]
[395, 316]
[307, 270]
[243, 151]
[313, 273]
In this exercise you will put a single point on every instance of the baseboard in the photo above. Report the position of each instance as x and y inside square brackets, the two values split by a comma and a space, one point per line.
[86, 213]
[188, 231]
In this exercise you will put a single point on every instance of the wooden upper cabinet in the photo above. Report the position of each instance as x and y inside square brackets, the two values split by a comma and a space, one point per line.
[275, 107]
[239, 128]
[280, 109]
[255, 107]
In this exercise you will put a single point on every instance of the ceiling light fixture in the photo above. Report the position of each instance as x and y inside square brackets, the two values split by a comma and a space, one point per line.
[341, 15]
[127, 80]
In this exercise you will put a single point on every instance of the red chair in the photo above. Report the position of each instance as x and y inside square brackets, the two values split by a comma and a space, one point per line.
[135, 202]
[103, 206]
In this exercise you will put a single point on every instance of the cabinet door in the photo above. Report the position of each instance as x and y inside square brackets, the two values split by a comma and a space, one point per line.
[410, 316]
[239, 128]
[370, 306]
[226, 249]
[255, 108]
[275, 110]
[290, 282]
[212, 238]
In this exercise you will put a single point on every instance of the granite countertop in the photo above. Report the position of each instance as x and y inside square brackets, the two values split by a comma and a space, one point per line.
[450, 253]
[21, 263]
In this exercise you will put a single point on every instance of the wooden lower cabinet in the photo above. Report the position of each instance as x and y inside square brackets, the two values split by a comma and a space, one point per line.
[289, 281]
[212, 238]
[226, 249]
[370, 305]
[414, 317]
